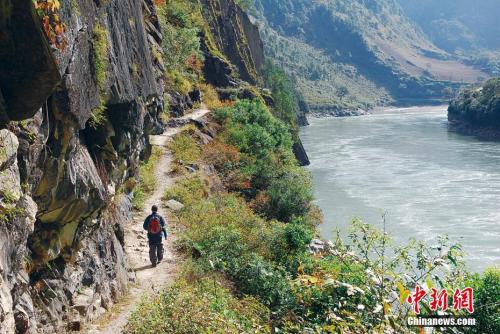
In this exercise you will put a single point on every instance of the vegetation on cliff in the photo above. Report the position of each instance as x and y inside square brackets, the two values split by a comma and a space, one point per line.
[478, 107]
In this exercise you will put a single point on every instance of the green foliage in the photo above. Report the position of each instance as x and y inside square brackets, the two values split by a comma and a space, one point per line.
[479, 107]
[486, 297]
[203, 305]
[265, 145]
[188, 190]
[290, 195]
[285, 97]
[181, 43]
[147, 179]
[253, 129]
[297, 236]
[258, 277]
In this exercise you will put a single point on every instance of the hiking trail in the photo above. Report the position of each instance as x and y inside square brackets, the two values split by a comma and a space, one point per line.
[148, 280]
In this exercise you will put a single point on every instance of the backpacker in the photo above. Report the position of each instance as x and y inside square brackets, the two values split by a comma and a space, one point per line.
[154, 225]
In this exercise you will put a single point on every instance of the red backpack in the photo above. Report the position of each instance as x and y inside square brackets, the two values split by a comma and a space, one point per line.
[154, 225]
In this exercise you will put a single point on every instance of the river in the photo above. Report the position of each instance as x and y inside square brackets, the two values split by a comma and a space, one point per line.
[406, 162]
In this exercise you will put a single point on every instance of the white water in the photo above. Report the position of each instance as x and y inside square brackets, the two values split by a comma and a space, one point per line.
[429, 180]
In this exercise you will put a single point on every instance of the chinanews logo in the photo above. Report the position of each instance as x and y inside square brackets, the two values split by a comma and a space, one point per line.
[441, 301]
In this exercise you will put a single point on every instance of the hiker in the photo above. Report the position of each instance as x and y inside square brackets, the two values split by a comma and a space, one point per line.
[155, 225]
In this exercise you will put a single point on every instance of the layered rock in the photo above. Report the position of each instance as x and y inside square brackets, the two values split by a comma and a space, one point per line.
[61, 232]
[233, 34]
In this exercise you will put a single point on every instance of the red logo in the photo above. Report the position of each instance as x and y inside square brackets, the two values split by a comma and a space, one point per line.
[415, 298]
[462, 299]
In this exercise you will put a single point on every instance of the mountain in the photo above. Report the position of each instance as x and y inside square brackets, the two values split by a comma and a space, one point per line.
[357, 54]
[455, 25]
[466, 28]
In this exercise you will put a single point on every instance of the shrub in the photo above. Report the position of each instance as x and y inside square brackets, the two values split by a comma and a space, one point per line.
[253, 129]
[258, 277]
[486, 297]
[210, 97]
[297, 236]
[285, 97]
[290, 196]
[180, 43]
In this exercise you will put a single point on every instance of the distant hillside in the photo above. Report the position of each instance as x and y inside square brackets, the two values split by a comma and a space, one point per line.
[357, 54]
[466, 28]
[457, 24]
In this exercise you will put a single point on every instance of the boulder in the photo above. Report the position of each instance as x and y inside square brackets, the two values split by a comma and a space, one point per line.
[174, 205]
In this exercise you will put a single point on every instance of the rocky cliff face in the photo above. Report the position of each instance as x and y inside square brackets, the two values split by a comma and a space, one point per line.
[231, 33]
[75, 123]
[66, 185]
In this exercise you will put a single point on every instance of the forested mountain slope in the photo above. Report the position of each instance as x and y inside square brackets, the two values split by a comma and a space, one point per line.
[357, 54]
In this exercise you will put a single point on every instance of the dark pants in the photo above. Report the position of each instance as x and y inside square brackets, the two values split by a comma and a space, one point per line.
[155, 252]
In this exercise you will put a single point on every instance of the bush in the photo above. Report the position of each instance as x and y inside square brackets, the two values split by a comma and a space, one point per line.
[188, 190]
[486, 297]
[289, 196]
[253, 129]
[180, 43]
[298, 236]
[255, 276]
[285, 97]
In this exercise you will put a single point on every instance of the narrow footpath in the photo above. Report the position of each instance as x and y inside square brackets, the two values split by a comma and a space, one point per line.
[148, 280]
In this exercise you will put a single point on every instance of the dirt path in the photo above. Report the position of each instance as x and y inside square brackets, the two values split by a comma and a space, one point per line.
[148, 280]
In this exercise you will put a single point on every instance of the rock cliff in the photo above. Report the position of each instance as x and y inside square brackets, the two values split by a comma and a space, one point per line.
[66, 193]
[75, 123]
[231, 32]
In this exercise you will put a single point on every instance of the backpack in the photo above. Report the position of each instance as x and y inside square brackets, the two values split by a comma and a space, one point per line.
[154, 226]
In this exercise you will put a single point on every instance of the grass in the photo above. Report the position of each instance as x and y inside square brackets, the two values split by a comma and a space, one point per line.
[185, 149]
[188, 190]
[147, 179]
[201, 305]
[211, 97]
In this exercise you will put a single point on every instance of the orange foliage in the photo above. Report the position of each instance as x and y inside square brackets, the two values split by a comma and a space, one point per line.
[221, 156]
[53, 28]
[261, 202]
[194, 63]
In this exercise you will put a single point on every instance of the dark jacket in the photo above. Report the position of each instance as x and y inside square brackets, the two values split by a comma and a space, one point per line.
[155, 238]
